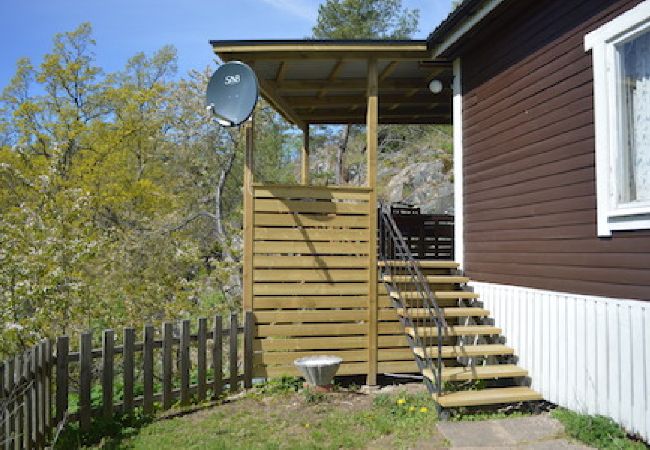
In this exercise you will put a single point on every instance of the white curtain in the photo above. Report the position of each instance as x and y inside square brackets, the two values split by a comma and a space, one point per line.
[636, 99]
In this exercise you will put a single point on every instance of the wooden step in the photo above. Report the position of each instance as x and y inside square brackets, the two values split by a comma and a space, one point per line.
[447, 312]
[431, 279]
[465, 295]
[422, 264]
[478, 372]
[492, 396]
[457, 330]
[466, 351]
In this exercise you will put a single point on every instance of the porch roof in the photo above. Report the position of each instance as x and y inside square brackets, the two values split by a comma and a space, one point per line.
[325, 81]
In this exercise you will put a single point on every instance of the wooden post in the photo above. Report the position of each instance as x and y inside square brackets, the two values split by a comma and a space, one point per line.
[19, 412]
[62, 350]
[108, 347]
[9, 419]
[147, 360]
[304, 169]
[372, 119]
[128, 363]
[185, 363]
[200, 359]
[249, 323]
[85, 381]
[27, 401]
[48, 388]
[233, 353]
[217, 361]
[4, 407]
[249, 167]
[42, 390]
[167, 364]
[36, 400]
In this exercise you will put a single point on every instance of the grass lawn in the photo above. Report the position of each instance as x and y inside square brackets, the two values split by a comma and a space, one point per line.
[303, 420]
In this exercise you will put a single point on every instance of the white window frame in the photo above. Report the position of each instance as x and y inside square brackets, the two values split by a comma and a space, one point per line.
[602, 42]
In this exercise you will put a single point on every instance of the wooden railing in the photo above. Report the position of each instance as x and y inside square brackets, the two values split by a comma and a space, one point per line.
[50, 384]
[428, 236]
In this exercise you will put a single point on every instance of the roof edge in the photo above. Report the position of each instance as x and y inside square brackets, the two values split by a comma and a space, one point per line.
[460, 21]
[325, 42]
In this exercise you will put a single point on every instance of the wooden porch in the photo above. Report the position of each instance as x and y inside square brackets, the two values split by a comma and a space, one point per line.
[310, 252]
[312, 278]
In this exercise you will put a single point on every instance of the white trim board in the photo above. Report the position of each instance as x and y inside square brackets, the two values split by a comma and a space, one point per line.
[586, 353]
[469, 23]
[611, 215]
[457, 119]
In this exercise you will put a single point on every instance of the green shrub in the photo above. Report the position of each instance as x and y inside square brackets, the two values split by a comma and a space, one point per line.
[279, 386]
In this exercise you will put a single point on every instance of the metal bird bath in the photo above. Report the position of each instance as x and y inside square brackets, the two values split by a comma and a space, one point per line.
[319, 370]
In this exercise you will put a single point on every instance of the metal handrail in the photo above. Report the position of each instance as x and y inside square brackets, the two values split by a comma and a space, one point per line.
[393, 247]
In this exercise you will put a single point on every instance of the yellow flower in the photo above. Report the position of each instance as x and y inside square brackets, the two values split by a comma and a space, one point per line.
[401, 401]
[306, 425]
[424, 409]
[412, 408]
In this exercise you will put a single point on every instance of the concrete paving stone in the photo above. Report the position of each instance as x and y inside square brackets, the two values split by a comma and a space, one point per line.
[536, 432]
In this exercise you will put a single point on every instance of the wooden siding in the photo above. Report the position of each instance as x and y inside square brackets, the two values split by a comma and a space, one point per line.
[529, 176]
[310, 275]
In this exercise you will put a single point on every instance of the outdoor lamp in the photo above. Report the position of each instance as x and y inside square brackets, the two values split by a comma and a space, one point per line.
[435, 86]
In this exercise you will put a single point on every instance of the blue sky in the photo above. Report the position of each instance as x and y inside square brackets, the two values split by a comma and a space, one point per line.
[122, 28]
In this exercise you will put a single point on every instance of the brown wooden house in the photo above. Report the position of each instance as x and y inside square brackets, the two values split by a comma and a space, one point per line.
[550, 103]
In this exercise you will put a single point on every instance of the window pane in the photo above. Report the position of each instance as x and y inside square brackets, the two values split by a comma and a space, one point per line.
[635, 87]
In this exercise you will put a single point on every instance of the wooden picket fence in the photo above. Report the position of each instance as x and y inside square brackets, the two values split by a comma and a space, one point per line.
[177, 366]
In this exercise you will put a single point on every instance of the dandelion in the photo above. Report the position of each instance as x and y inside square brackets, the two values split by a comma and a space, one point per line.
[424, 409]
[401, 401]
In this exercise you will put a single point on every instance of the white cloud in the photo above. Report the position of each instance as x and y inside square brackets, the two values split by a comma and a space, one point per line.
[302, 8]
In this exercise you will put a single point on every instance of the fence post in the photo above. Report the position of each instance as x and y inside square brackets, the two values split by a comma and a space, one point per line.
[42, 381]
[233, 353]
[128, 364]
[62, 349]
[217, 357]
[36, 398]
[4, 406]
[249, 323]
[167, 367]
[185, 362]
[48, 389]
[108, 346]
[200, 360]
[27, 399]
[20, 397]
[85, 379]
[8, 387]
[148, 369]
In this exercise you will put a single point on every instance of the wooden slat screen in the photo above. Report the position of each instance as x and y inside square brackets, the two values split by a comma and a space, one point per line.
[310, 276]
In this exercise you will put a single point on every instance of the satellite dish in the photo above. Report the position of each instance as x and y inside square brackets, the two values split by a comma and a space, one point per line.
[232, 93]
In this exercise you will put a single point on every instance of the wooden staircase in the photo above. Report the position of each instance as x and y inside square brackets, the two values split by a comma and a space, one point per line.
[470, 348]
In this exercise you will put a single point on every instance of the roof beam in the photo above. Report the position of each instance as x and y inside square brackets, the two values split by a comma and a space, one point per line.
[282, 71]
[344, 100]
[383, 119]
[332, 75]
[388, 70]
[273, 97]
[350, 84]
[402, 112]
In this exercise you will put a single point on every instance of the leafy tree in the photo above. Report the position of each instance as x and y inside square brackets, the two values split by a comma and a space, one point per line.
[365, 19]
[361, 19]
[120, 202]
